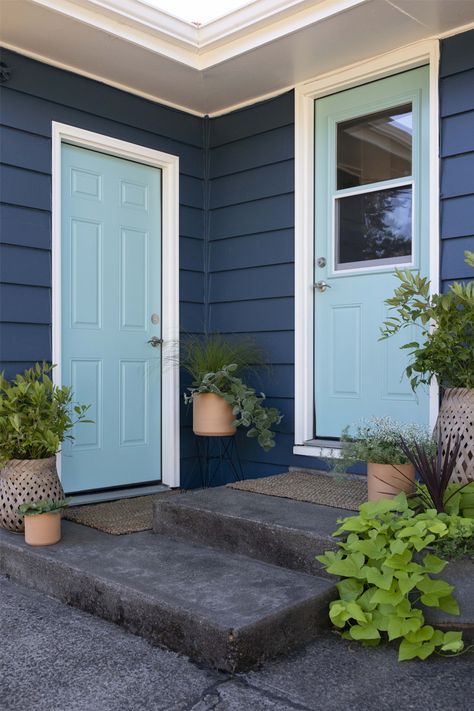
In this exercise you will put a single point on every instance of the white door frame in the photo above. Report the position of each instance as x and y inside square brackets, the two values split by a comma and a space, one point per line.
[169, 165]
[410, 57]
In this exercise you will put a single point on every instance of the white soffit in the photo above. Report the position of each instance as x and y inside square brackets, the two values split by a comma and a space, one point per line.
[260, 49]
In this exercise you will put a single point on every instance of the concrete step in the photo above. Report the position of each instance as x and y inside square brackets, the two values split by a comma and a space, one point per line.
[227, 611]
[280, 531]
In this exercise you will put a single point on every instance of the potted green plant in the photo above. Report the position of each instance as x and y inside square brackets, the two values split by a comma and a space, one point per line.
[378, 442]
[444, 351]
[42, 521]
[221, 400]
[36, 416]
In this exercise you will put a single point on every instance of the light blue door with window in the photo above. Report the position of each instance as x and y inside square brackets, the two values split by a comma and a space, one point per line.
[111, 309]
[371, 216]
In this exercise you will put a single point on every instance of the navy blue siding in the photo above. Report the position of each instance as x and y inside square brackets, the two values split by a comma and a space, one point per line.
[457, 154]
[35, 96]
[251, 255]
[236, 216]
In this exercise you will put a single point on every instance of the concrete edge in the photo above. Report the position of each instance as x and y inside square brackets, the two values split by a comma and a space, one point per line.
[224, 649]
[278, 545]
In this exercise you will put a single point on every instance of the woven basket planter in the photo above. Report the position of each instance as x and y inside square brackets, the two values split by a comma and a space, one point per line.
[23, 481]
[456, 419]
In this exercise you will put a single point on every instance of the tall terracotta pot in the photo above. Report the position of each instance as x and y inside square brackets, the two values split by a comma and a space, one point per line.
[456, 419]
[212, 416]
[384, 481]
[43, 529]
[23, 481]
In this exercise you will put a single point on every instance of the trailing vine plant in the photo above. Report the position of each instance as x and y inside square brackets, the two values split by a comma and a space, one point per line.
[247, 406]
[386, 573]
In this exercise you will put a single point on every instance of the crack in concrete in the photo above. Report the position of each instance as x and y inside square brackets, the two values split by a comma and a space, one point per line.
[272, 696]
[210, 698]
[211, 690]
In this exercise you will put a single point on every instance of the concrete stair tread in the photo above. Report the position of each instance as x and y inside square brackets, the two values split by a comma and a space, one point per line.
[227, 610]
[312, 519]
[279, 531]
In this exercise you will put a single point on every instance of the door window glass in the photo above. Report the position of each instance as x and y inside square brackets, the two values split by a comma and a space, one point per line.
[374, 147]
[374, 226]
[373, 214]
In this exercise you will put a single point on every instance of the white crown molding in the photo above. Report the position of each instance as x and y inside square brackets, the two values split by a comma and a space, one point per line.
[159, 58]
[157, 41]
[205, 46]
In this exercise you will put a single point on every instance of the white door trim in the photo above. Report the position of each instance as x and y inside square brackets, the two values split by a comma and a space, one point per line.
[426, 52]
[169, 166]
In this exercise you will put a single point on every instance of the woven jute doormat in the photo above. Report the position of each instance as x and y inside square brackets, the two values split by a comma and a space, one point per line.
[118, 517]
[315, 487]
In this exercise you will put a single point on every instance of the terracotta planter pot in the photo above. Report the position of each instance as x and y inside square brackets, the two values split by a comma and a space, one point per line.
[23, 481]
[456, 419]
[384, 481]
[212, 416]
[43, 529]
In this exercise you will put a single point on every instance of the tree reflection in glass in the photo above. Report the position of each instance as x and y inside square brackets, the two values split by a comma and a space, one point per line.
[374, 227]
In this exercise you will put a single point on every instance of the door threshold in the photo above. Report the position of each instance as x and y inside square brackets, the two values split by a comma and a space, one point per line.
[324, 448]
[103, 496]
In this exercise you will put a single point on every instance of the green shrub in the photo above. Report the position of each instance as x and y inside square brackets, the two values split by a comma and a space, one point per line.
[36, 416]
[445, 351]
[386, 573]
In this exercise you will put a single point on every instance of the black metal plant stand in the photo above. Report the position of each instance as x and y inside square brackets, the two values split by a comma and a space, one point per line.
[215, 455]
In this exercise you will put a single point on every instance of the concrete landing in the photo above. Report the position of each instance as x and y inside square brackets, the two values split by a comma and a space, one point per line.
[228, 611]
[272, 529]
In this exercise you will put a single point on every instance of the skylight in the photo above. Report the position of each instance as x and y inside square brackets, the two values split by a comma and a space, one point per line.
[199, 12]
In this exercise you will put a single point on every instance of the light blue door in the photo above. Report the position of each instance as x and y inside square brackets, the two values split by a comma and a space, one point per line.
[371, 216]
[111, 308]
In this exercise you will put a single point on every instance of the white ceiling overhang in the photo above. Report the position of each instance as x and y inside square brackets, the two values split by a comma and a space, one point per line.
[260, 49]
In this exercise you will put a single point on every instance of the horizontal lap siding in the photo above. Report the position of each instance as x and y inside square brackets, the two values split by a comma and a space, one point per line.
[36, 95]
[457, 154]
[251, 256]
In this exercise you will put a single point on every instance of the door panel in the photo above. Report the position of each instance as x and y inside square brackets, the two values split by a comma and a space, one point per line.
[371, 216]
[111, 286]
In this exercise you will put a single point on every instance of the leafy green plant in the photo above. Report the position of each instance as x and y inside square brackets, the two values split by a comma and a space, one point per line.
[458, 499]
[35, 508]
[35, 415]
[460, 544]
[379, 440]
[200, 355]
[246, 404]
[386, 573]
[445, 349]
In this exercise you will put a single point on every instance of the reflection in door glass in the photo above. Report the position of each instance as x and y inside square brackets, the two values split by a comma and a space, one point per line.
[374, 147]
[374, 228]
